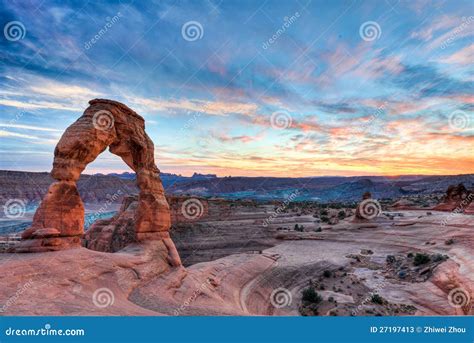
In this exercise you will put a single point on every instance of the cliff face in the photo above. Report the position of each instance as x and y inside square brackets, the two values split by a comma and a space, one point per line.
[202, 229]
[32, 187]
[111, 235]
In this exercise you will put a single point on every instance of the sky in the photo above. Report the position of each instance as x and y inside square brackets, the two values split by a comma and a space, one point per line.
[247, 88]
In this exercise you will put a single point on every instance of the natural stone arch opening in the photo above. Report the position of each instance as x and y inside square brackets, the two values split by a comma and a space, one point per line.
[59, 221]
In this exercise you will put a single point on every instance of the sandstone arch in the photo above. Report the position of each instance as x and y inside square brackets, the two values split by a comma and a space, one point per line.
[59, 221]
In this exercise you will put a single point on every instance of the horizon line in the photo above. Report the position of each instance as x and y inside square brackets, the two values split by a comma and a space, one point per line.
[240, 176]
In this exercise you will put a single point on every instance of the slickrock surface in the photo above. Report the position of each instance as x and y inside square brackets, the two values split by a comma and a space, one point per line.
[78, 281]
[58, 222]
[360, 261]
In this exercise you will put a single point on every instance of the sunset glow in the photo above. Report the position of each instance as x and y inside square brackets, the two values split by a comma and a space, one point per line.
[320, 99]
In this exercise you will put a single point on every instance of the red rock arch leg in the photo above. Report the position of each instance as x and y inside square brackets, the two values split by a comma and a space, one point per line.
[58, 223]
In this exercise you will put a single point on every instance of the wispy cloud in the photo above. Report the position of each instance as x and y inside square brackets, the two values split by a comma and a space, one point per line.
[216, 108]
[354, 107]
[29, 127]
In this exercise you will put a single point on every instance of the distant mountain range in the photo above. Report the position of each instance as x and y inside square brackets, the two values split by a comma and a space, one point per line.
[167, 178]
[99, 188]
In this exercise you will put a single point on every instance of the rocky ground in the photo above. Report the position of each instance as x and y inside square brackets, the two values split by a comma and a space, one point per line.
[371, 268]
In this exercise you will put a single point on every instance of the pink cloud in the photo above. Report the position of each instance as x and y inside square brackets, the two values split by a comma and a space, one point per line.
[464, 56]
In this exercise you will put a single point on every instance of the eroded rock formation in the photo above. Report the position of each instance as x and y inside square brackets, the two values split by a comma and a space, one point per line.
[113, 234]
[403, 204]
[458, 198]
[58, 223]
[367, 209]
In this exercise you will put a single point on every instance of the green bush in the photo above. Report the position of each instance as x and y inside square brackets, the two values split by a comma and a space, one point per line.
[377, 299]
[324, 219]
[327, 273]
[299, 228]
[310, 295]
[421, 259]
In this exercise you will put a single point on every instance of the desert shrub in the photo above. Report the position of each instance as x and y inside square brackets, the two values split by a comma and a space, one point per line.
[318, 229]
[449, 241]
[310, 295]
[410, 255]
[390, 259]
[377, 299]
[324, 212]
[324, 219]
[327, 273]
[299, 228]
[341, 215]
[421, 259]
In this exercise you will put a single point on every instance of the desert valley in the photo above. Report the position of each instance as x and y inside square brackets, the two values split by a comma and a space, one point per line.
[203, 245]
